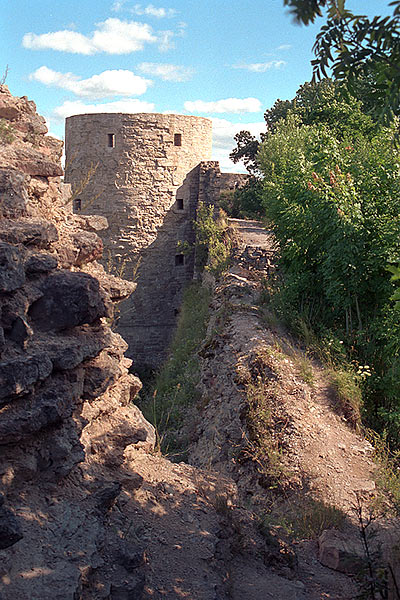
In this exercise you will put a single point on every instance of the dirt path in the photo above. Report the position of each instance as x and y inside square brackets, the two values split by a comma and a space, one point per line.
[324, 462]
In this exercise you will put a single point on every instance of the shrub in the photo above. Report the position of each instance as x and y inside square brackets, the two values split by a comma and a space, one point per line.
[334, 201]
[213, 246]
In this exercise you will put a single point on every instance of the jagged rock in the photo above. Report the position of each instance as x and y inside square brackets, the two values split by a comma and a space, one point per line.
[2, 339]
[34, 127]
[18, 376]
[13, 194]
[89, 245]
[118, 289]
[29, 233]
[131, 556]
[16, 304]
[40, 263]
[12, 272]
[341, 552]
[106, 497]
[131, 589]
[20, 331]
[93, 222]
[70, 348]
[49, 407]
[100, 373]
[31, 161]
[10, 529]
[69, 299]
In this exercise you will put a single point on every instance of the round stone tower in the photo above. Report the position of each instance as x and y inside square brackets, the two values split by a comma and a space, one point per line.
[141, 171]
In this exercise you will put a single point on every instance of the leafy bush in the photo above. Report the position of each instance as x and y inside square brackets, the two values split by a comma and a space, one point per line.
[334, 200]
[213, 246]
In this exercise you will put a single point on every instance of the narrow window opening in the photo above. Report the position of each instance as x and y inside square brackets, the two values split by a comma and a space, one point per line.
[179, 260]
[179, 203]
[111, 140]
[77, 205]
[177, 139]
[176, 312]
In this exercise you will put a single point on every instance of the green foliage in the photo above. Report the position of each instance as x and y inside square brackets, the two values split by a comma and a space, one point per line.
[262, 448]
[326, 102]
[395, 277]
[304, 519]
[6, 132]
[246, 150]
[213, 246]
[357, 48]
[333, 195]
[166, 400]
[388, 472]
[347, 394]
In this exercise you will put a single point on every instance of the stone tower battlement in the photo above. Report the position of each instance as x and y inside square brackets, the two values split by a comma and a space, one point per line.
[145, 173]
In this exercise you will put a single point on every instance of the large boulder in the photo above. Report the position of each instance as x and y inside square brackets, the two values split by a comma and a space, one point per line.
[12, 271]
[69, 299]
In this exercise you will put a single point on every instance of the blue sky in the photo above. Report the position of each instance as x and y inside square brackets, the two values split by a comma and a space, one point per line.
[226, 60]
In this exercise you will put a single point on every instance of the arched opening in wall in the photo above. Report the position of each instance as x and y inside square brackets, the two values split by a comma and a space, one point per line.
[77, 205]
[179, 203]
[111, 140]
[179, 260]
[177, 139]
[176, 312]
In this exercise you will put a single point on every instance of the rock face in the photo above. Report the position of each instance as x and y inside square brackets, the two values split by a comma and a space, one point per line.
[65, 388]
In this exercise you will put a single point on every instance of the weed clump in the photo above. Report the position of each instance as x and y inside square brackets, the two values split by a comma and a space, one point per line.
[347, 394]
[213, 243]
[6, 133]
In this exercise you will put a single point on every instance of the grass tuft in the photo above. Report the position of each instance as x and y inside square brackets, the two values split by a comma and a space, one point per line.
[174, 387]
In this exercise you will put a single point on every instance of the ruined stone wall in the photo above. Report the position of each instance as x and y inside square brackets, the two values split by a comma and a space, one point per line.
[145, 180]
[233, 181]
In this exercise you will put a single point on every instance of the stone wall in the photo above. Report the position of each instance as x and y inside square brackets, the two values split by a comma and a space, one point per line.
[147, 185]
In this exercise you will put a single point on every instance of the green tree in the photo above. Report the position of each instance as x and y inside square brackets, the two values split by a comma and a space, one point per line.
[332, 195]
[356, 48]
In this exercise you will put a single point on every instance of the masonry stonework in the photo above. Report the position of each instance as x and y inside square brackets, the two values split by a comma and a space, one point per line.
[142, 172]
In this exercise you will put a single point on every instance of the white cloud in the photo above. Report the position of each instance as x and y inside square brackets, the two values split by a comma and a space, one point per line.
[105, 85]
[223, 142]
[260, 67]
[112, 36]
[167, 72]
[284, 47]
[77, 107]
[149, 10]
[165, 40]
[229, 105]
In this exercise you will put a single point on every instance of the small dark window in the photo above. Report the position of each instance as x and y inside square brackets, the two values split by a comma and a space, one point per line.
[111, 140]
[176, 312]
[77, 205]
[179, 260]
[179, 203]
[178, 139]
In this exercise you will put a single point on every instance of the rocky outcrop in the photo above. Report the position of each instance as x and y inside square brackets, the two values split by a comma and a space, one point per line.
[65, 386]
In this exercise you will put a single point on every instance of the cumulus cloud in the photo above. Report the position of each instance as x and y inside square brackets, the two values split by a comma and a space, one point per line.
[260, 67]
[105, 85]
[223, 142]
[77, 107]
[149, 10]
[112, 36]
[229, 105]
[166, 72]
